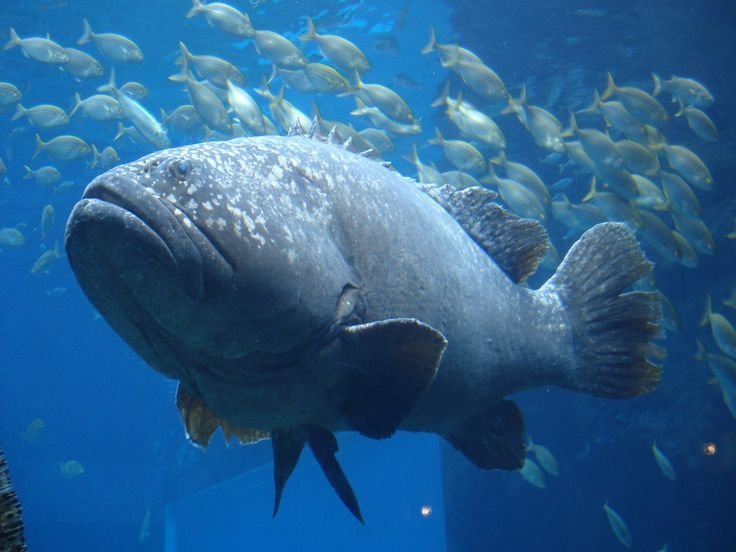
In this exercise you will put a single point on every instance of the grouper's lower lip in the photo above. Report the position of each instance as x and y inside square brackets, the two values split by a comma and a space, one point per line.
[124, 212]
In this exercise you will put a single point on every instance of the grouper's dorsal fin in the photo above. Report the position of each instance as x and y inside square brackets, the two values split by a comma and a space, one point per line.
[288, 446]
[492, 440]
[517, 245]
[200, 422]
[380, 371]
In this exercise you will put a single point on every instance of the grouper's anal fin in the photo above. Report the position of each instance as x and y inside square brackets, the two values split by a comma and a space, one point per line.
[382, 368]
[517, 245]
[288, 446]
[492, 440]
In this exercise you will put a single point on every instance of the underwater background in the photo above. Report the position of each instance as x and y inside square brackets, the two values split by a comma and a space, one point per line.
[94, 443]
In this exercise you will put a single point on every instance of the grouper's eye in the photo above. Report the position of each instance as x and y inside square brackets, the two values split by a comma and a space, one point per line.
[180, 169]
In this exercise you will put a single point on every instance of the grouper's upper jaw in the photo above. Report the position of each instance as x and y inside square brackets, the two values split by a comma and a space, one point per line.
[145, 266]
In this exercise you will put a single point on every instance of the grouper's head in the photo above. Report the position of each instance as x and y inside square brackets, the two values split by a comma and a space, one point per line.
[197, 255]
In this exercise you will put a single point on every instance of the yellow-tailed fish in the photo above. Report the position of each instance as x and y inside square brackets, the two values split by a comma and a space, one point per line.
[688, 91]
[386, 100]
[43, 116]
[426, 174]
[459, 179]
[340, 51]
[224, 17]
[638, 159]
[44, 50]
[325, 79]
[479, 77]
[724, 370]
[695, 231]
[379, 119]
[616, 115]
[472, 123]
[11, 237]
[449, 52]
[279, 50]
[680, 196]
[70, 469]
[649, 195]
[639, 103]
[42, 263]
[516, 197]
[658, 235]
[63, 148]
[82, 65]
[723, 332]
[246, 108]
[212, 68]
[184, 119]
[618, 525]
[463, 155]
[544, 127]
[527, 178]
[99, 107]
[688, 256]
[699, 122]
[379, 138]
[615, 209]
[47, 221]
[286, 114]
[9, 94]
[663, 462]
[135, 90]
[204, 100]
[47, 175]
[114, 46]
[688, 165]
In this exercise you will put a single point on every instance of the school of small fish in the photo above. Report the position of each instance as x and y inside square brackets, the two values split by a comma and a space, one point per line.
[614, 159]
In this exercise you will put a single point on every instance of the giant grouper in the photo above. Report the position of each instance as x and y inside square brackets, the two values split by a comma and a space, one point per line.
[296, 289]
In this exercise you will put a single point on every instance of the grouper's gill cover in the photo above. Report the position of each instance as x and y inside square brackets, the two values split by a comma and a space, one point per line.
[296, 289]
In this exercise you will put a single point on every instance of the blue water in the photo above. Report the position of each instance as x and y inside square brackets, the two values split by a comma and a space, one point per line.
[103, 407]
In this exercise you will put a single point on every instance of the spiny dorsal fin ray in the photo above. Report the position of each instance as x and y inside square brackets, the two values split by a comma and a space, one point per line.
[517, 245]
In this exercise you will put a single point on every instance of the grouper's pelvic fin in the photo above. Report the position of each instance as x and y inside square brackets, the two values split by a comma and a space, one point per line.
[287, 447]
[12, 538]
[612, 329]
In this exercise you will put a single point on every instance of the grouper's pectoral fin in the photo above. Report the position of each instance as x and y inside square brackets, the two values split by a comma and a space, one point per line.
[288, 446]
[492, 440]
[381, 370]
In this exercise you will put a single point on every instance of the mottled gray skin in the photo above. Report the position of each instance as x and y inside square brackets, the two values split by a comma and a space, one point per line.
[245, 318]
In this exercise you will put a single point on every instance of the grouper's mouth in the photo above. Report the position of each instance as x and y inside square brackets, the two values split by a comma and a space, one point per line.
[129, 227]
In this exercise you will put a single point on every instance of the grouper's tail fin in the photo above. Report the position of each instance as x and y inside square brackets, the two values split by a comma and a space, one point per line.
[11, 518]
[613, 330]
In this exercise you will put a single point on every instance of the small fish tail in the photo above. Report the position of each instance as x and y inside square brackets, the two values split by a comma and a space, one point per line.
[610, 87]
[39, 147]
[29, 172]
[87, 35]
[120, 132]
[77, 104]
[110, 86]
[593, 108]
[19, 112]
[432, 44]
[438, 138]
[700, 355]
[657, 84]
[311, 33]
[195, 9]
[442, 98]
[708, 311]
[614, 328]
[13, 41]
